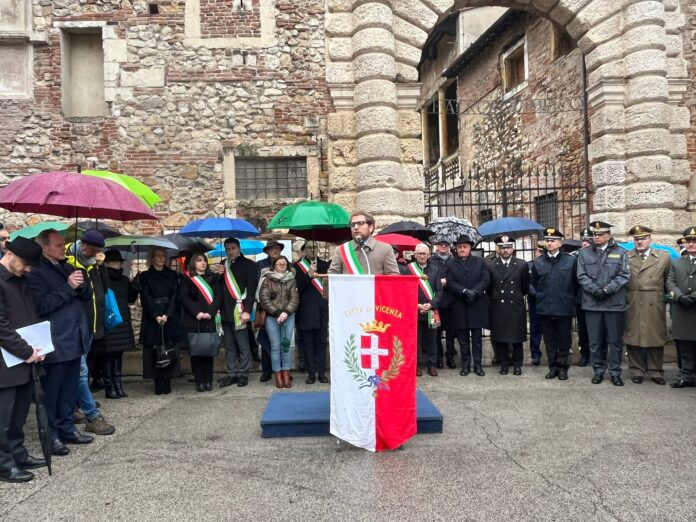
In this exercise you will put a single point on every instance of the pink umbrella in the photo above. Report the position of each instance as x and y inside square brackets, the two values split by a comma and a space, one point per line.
[73, 195]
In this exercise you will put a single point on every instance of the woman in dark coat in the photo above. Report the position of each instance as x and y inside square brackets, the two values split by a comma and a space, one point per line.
[120, 338]
[159, 287]
[200, 295]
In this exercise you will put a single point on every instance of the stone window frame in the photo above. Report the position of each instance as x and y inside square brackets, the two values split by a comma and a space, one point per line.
[504, 60]
[25, 37]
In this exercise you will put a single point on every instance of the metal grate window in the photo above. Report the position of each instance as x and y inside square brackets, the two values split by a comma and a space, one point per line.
[547, 209]
[270, 178]
[485, 214]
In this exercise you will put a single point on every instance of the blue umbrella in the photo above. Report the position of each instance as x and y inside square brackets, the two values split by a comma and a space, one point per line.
[250, 247]
[509, 225]
[673, 252]
[219, 227]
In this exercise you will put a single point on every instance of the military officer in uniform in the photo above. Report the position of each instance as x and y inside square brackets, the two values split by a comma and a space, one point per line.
[603, 274]
[555, 286]
[645, 333]
[508, 312]
[583, 341]
[681, 285]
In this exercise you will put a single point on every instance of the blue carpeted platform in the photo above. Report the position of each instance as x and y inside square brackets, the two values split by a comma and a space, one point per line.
[306, 414]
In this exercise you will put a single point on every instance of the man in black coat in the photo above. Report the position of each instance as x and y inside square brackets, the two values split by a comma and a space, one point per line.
[467, 280]
[239, 280]
[312, 316]
[443, 254]
[16, 311]
[555, 286]
[59, 295]
[509, 285]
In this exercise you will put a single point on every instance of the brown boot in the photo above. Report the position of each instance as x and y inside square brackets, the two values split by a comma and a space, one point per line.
[278, 379]
[286, 379]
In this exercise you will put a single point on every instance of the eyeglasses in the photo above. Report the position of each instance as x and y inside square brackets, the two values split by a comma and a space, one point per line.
[358, 223]
[422, 253]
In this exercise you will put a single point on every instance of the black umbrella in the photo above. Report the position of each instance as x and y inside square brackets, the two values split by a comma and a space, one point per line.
[91, 224]
[408, 228]
[41, 416]
[188, 245]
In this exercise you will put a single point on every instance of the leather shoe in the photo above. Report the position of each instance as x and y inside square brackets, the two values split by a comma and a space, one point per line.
[616, 380]
[227, 380]
[59, 449]
[503, 370]
[208, 386]
[16, 475]
[440, 365]
[243, 380]
[584, 361]
[562, 375]
[682, 384]
[311, 379]
[598, 378]
[479, 372]
[31, 463]
[552, 374]
[265, 377]
[464, 372]
[77, 438]
[659, 380]
[517, 371]
[432, 371]
[200, 387]
[536, 361]
[637, 379]
[323, 379]
[450, 364]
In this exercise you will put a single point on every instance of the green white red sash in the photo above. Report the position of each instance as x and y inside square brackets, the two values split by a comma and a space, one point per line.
[350, 259]
[236, 293]
[305, 266]
[423, 282]
[203, 286]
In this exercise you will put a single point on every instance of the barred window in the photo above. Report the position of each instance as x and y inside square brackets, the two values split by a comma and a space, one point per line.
[485, 214]
[547, 209]
[270, 178]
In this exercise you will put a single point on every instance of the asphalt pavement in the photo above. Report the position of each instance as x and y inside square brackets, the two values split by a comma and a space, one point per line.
[513, 448]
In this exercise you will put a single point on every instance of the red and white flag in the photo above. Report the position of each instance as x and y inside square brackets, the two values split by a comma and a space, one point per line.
[373, 335]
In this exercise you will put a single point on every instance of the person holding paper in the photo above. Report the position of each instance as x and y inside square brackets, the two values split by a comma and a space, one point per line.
[16, 310]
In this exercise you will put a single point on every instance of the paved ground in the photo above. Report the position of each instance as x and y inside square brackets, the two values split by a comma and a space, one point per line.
[514, 448]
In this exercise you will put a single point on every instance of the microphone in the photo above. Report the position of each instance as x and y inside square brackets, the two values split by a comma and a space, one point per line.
[360, 241]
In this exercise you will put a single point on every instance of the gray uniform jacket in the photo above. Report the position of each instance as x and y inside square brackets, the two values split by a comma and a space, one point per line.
[681, 281]
[606, 271]
[380, 256]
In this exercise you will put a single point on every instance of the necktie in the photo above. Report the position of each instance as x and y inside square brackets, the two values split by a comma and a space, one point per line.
[644, 256]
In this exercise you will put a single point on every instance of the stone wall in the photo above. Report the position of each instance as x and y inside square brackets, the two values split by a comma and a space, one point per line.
[689, 40]
[226, 18]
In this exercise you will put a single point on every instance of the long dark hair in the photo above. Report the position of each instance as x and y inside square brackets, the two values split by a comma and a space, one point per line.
[191, 266]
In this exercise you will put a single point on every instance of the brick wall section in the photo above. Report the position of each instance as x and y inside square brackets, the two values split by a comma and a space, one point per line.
[688, 8]
[221, 19]
[171, 137]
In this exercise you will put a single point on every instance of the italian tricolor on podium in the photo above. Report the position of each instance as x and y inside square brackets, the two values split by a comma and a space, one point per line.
[373, 335]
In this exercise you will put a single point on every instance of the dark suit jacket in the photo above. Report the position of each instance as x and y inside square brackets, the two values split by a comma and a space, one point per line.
[16, 310]
[313, 312]
[468, 273]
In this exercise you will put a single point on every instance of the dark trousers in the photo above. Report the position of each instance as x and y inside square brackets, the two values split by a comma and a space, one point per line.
[470, 344]
[507, 359]
[313, 344]
[645, 361]
[265, 342]
[14, 408]
[687, 350]
[202, 368]
[605, 327]
[535, 331]
[426, 342]
[60, 385]
[557, 339]
[448, 330]
[583, 339]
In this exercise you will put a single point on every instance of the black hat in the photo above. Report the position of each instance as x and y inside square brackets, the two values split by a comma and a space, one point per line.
[585, 233]
[640, 231]
[94, 238]
[599, 226]
[113, 255]
[504, 240]
[553, 233]
[681, 241]
[689, 233]
[26, 249]
[272, 243]
[464, 239]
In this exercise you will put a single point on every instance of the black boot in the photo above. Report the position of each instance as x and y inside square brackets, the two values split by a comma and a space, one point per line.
[166, 386]
[118, 382]
[159, 386]
[108, 375]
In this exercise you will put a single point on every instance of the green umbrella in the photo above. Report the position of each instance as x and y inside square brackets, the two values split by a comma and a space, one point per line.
[138, 188]
[311, 215]
[34, 230]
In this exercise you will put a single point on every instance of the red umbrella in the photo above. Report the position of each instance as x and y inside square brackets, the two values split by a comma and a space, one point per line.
[73, 195]
[399, 240]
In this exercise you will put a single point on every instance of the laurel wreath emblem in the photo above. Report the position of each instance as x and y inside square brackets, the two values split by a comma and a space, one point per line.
[374, 381]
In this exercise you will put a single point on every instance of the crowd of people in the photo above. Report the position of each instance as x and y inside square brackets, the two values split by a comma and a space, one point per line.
[617, 297]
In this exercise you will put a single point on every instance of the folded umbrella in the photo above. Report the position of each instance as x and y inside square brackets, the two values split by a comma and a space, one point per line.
[509, 225]
[408, 228]
[41, 417]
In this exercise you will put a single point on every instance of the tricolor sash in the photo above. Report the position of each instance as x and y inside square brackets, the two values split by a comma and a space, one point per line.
[424, 284]
[203, 287]
[236, 293]
[305, 266]
[350, 259]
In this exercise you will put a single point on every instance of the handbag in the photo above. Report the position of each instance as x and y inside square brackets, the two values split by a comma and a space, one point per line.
[165, 353]
[112, 315]
[203, 344]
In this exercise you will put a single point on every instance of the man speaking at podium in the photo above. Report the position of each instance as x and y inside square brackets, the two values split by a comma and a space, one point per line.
[363, 254]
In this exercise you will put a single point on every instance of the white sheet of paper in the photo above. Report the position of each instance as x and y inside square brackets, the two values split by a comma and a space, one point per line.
[38, 335]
